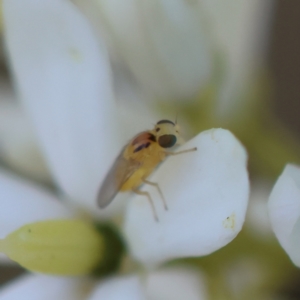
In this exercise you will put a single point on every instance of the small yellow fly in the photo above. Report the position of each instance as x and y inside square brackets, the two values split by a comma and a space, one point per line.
[137, 161]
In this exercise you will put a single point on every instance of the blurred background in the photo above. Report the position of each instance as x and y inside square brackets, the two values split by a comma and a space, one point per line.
[254, 265]
[283, 62]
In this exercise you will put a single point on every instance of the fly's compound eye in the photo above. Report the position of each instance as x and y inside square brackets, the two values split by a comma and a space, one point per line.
[167, 140]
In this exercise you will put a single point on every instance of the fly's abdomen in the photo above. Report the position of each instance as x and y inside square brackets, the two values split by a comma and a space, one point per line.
[134, 181]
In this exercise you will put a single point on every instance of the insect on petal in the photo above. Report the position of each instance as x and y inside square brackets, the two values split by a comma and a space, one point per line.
[207, 195]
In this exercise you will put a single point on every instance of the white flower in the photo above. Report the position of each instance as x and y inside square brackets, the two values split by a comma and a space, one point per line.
[257, 219]
[18, 146]
[239, 29]
[167, 284]
[175, 48]
[284, 211]
[164, 43]
[207, 213]
[63, 76]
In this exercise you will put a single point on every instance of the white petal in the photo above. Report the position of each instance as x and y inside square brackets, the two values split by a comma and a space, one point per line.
[18, 144]
[284, 211]
[167, 284]
[240, 29]
[176, 283]
[63, 75]
[295, 244]
[162, 42]
[207, 195]
[121, 288]
[22, 202]
[39, 287]
[257, 219]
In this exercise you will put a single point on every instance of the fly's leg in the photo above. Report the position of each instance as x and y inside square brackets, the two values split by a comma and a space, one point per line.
[159, 190]
[181, 152]
[144, 193]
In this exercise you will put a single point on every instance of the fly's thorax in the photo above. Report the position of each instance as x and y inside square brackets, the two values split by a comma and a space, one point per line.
[147, 158]
[139, 146]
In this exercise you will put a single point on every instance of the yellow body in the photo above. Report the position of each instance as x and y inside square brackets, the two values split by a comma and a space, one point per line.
[149, 159]
[137, 160]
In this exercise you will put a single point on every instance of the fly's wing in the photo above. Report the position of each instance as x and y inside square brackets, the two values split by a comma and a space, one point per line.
[120, 171]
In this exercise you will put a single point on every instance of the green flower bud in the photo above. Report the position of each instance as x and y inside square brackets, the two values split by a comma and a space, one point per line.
[61, 247]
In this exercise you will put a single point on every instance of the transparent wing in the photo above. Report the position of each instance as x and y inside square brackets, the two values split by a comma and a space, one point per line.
[120, 171]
